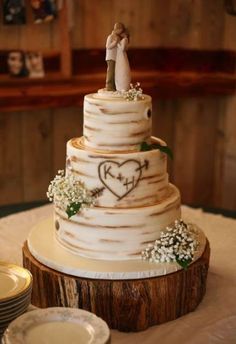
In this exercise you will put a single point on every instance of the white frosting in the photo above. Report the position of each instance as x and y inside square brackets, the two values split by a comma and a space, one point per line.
[128, 179]
[137, 202]
[114, 124]
[116, 234]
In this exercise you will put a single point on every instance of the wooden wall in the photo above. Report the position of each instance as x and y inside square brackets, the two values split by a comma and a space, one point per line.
[32, 150]
[196, 24]
[201, 131]
[202, 134]
[200, 24]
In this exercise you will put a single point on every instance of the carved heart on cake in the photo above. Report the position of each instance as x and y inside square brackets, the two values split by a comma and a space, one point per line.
[120, 178]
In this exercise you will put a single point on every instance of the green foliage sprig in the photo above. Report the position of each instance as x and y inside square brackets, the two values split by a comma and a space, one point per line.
[164, 149]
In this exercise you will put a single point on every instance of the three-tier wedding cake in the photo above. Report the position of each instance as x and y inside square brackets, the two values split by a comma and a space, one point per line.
[136, 200]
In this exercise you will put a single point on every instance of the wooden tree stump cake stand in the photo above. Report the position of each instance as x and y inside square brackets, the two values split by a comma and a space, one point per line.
[128, 304]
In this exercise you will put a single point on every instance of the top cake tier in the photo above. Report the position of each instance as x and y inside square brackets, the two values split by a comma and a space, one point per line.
[111, 123]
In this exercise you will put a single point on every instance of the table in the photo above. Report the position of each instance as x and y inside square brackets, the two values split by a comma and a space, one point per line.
[213, 322]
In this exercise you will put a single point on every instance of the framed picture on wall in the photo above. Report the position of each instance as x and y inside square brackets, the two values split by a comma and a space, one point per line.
[14, 12]
[34, 64]
[43, 10]
[16, 64]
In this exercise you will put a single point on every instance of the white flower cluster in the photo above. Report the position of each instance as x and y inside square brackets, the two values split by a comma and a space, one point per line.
[66, 190]
[177, 243]
[134, 93]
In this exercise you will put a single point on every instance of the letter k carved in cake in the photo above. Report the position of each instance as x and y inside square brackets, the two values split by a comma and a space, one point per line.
[107, 171]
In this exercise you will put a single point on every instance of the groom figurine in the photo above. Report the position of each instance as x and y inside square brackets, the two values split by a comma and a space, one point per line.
[111, 49]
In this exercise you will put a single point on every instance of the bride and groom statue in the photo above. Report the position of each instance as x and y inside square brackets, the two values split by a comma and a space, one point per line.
[118, 71]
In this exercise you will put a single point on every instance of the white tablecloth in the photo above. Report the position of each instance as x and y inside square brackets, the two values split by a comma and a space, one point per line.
[213, 322]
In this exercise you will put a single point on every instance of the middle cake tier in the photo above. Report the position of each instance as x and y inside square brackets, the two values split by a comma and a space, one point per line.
[130, 179]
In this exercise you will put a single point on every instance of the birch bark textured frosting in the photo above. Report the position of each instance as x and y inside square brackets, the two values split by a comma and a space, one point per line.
[128, 179]
[136, 202]
[116, 234]
[114, 124]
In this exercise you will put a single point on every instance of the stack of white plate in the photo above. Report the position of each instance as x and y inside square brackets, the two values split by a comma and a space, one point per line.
[57, 325]
[15, 293]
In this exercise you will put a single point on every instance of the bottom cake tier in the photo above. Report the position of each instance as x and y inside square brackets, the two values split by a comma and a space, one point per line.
[54, 255]
[116, 234]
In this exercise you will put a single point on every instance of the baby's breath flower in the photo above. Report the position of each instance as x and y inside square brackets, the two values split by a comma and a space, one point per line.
[134, 93]
[176, 244]
[69, 193]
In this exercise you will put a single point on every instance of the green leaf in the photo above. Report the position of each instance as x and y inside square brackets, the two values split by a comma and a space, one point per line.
[73, 208]
[164, 149]
[184, 263]
[145, 147]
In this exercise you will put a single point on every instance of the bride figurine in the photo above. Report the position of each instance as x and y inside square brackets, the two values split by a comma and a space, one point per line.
[122, 68]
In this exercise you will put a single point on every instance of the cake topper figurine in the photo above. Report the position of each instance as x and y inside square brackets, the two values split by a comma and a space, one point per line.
[118, 71]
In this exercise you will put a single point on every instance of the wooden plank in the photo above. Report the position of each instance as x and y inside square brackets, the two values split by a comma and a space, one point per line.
[55, 37]
[190, 24]
[155, 16]
[163, 118]
[184, 17]
[36, 154]
[197, 168]
[11, 188]
[229, 32]
[154, 27]
[9, 36]
[184, 148]
[207, 111]
[225, 157]
[34, 36]
[126, 12]
[212, 24]
[67, 123]
[219, 156]
[163, 124]
[65, 46]
[94, 23]
[229, 180]
[77, 33]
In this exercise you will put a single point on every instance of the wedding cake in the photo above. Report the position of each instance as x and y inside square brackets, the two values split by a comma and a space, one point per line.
[115, 201]
[136, 200]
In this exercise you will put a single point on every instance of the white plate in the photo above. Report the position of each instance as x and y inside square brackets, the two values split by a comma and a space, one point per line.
[57, 325]
[14, 281]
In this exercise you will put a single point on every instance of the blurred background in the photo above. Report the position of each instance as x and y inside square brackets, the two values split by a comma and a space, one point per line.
[183, 52]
